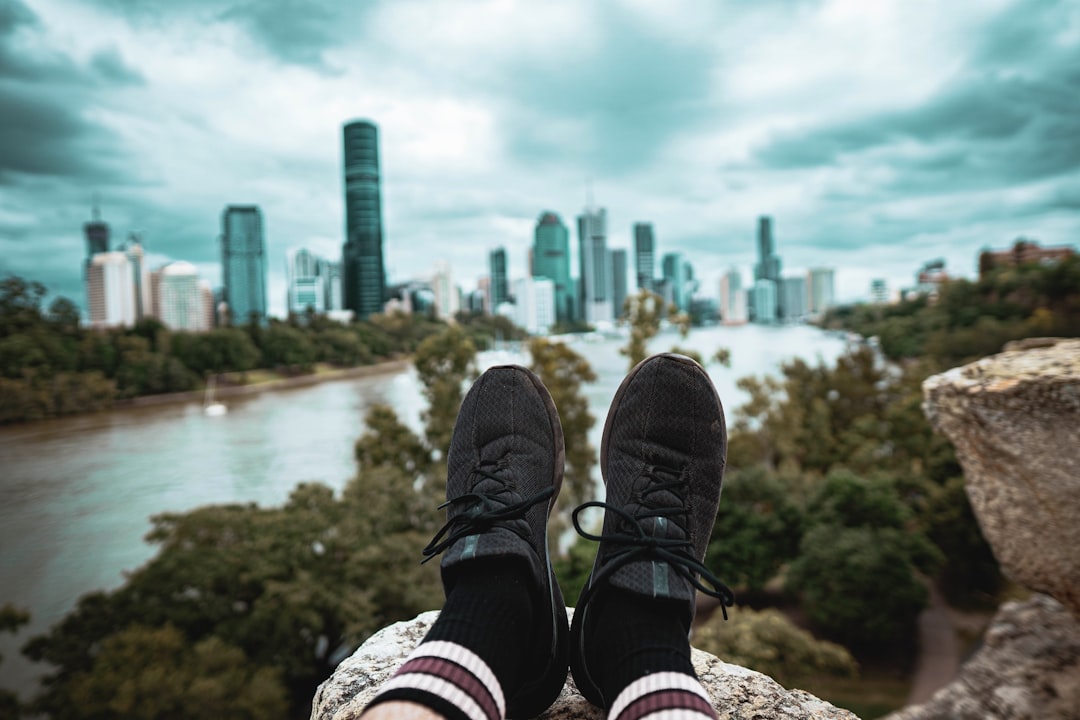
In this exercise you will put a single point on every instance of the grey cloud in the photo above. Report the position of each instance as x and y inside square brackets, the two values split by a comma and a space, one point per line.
[1014, 115]
[111, 66]
[627, 95]
[293, 31]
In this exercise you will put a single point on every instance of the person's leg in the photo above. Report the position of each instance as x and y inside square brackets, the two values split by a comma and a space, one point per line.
[498, 647]
[662, 458]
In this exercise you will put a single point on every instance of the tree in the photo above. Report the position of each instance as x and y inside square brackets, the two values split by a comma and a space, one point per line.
[144, 673]
[444, 363]
[861, 529]
[643, 313]
[11, 619]
[563, 372]
[758, 528]
[768, 642]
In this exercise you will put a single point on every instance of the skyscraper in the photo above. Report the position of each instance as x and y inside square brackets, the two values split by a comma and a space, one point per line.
[500, 284]
[551, 260]
[793, 298]
[181, 300]
[768, 265]
[364, 280]
[767, 268]
[97, 234]
[644, 255]
[732, 298]
[594, 266]
[821, 289]
[676, 277]
[243, 263]
[110, 290]
[763, 301]
[618, 280]
[134, 251]
[306, 286]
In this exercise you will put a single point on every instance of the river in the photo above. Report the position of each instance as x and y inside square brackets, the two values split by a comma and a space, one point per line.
[77, 494]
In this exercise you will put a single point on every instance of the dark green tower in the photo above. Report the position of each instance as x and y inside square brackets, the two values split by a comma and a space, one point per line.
[363, 277]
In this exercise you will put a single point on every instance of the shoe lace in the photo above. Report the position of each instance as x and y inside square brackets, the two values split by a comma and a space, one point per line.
[632, 542]
[487, 510]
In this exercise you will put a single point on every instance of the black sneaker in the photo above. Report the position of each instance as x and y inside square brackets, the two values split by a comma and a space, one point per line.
[662, 458]
[505, 469]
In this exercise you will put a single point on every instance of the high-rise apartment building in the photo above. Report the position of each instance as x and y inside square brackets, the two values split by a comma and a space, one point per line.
[768, 265]
[364, 279]
[595, 266]
[618, 280]
[793, 298]
[305, 286]
[181, 298]
[766, 268]
[243, 263]
[500, 282]
[134, 251]
[551, 260]
[677, 279]
[644, 255]
[879, 291]
[763, 301]
[821, 290]
[733, 309]
[534, 304]
[110, 290]
[447, 298]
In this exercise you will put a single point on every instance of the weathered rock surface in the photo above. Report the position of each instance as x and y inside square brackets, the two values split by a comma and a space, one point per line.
[1014, 419]
[737, 693]
[1028, 668]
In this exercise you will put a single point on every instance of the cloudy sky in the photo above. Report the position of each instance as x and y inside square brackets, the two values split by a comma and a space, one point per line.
[877, 134]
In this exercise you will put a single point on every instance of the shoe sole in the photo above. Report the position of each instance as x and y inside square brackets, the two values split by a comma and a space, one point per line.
[585, 684]
[537, 697]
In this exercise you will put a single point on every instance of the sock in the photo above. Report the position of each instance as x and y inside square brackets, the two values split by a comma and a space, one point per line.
[474, 654]
[640, 650]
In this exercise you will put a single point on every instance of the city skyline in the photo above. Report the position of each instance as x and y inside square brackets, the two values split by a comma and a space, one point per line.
[945, 138]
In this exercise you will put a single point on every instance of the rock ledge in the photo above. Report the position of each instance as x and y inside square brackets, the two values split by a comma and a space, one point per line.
[736, 693]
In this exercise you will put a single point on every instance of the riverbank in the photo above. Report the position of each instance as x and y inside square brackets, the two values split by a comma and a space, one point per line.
[273, 382]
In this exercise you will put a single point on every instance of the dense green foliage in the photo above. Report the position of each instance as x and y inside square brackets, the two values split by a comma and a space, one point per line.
[50, 365]
[970, 319]
[768, 642]
[259, 604]
[11, 619]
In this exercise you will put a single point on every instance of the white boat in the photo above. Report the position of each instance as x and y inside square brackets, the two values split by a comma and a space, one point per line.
[212, 407]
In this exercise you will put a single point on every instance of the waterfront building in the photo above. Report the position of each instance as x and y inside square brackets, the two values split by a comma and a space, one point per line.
[618, 281]
[676, 275]
[534, 305]
[500, 284]
[330, 272]
[243, 263]
[595, 267]
[447, 298]
[363, 275]
[644, 255]
[733, 309]
[763, 301]
[768, 264]
[306, 288]
[879, 291]
[793, 302]
[551, 259]
[821, 289]
[1023, 252]
[110, 290]
[182, 299]
[136, 258]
